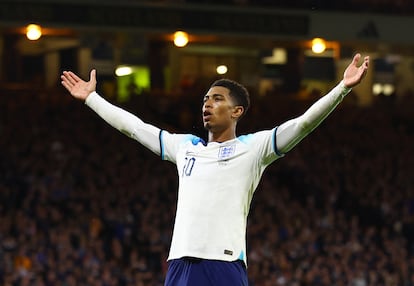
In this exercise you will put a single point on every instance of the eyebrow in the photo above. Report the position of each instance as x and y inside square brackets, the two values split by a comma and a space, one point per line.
[213, 95]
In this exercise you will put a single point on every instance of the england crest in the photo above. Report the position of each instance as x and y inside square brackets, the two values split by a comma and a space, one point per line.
[226, 152]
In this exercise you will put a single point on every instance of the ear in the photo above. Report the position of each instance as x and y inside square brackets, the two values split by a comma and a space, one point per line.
[238, 111]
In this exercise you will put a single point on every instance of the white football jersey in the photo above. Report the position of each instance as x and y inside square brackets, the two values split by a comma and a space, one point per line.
[216, 185]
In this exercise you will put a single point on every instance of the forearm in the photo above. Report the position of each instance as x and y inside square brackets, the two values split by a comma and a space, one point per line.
[127, 123]
[293, 131]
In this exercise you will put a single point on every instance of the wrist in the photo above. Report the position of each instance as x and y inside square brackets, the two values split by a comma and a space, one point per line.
[344, 86]
[90, 97]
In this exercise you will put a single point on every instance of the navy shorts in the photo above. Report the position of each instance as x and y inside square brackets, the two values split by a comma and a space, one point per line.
[204, 272]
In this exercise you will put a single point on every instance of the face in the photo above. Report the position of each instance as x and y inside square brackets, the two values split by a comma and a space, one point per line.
[218, 109]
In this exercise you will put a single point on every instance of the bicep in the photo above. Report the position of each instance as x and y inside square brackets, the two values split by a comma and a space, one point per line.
[289, 134]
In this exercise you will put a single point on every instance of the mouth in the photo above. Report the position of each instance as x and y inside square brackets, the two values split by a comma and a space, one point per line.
[206, 116]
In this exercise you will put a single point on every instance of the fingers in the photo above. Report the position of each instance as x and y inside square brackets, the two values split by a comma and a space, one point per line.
[73, 77]
[70, 78]
[356, 59]
[364, 67]
[366, 62]
[66, 80]
[355, 72]
[66, 85]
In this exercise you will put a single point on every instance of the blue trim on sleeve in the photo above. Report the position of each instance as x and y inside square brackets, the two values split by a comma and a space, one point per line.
[245, 138]
[161, 145]
[280, 154]
[195, 140]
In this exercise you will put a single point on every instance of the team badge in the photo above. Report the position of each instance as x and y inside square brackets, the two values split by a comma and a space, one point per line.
[226, 152]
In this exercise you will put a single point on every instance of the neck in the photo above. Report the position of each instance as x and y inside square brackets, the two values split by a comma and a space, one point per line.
[223, 136]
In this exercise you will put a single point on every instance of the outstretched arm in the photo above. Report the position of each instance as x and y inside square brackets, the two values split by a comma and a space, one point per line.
[290, 133]
[120, 119]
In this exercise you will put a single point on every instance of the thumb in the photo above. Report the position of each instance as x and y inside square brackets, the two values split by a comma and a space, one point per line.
[356, 59]
[92, 76]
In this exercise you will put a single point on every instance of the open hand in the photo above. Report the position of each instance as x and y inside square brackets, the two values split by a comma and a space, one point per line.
[354, 74]
[77, 87]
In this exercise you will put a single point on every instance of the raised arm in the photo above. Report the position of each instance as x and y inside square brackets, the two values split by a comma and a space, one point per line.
[293, 131]
[120, 119]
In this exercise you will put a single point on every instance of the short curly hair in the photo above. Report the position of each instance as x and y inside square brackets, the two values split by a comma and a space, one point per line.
[237, 91]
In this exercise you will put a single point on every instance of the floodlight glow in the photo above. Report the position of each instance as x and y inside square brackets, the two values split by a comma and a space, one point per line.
[33, 32]
[318, 45]
[123, 71]
[221, 69]
[180, 39]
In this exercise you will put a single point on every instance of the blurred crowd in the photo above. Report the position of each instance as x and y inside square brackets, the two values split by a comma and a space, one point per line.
[82, 204]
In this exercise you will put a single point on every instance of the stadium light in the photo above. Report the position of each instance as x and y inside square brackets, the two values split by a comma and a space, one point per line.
[123, 71]
[221, 69]
[180, 39]
[33, 32]
[318, 45]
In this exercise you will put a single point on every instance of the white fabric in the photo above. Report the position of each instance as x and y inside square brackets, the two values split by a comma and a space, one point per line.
[216, 185]
[127, 123]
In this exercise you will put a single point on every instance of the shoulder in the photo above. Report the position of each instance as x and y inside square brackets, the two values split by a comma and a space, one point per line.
[180, 138]
[255, 137]
[262, 142]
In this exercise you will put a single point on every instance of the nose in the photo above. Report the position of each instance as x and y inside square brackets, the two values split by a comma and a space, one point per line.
[207, 103]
